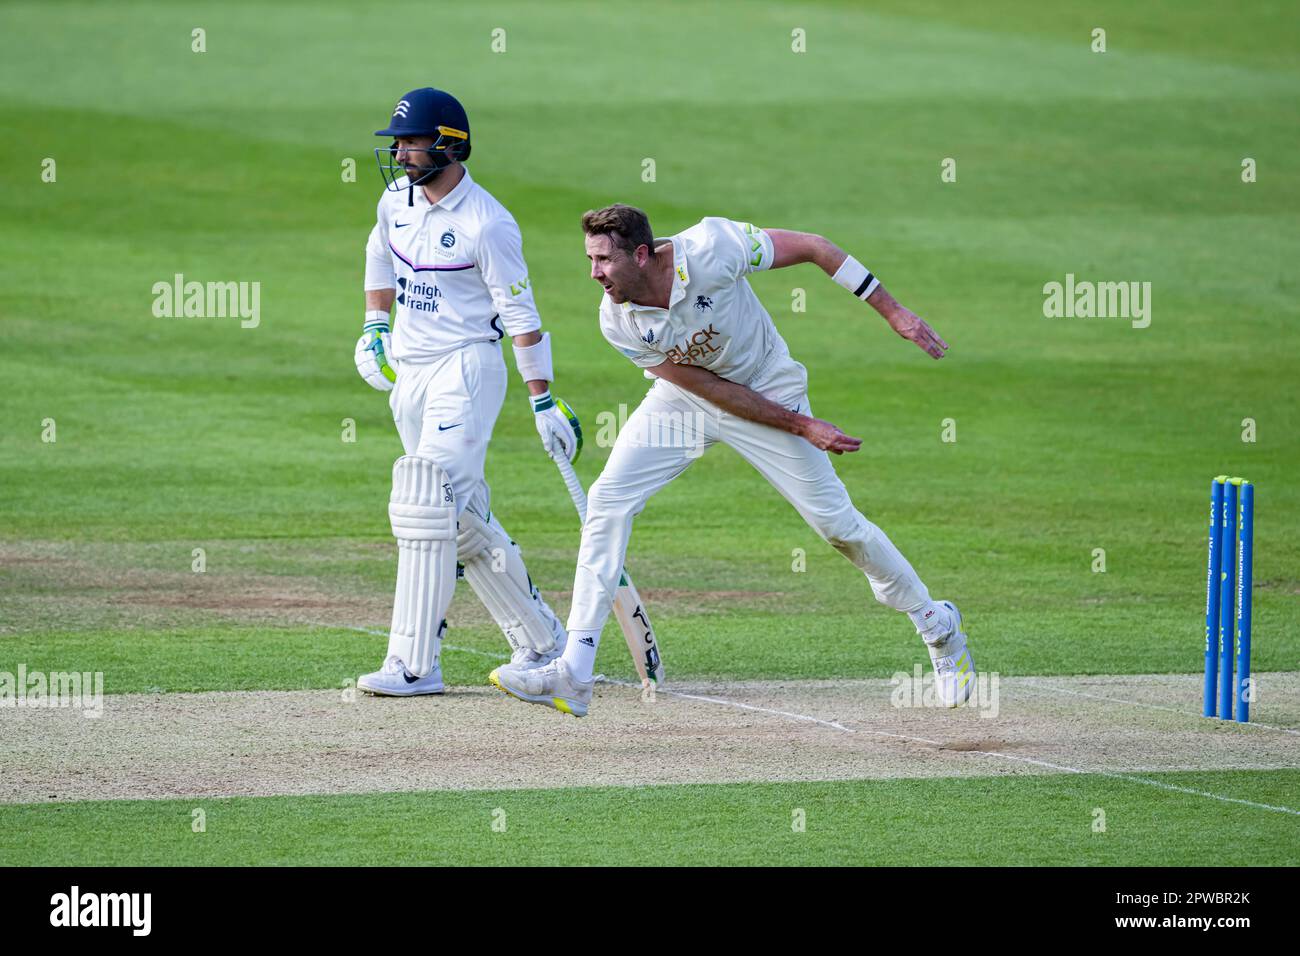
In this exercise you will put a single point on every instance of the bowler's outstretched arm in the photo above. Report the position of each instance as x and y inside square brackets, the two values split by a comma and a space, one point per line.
[744, 402]
[792, 248]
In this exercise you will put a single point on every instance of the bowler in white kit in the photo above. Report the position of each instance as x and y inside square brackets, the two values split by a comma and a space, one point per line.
[682, 310]
[449, 258]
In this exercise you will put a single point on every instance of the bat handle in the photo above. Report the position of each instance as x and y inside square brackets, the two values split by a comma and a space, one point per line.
[574, 485]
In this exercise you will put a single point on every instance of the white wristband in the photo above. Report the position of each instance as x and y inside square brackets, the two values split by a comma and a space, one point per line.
[376, 320]
[534, 361]
[856, 277]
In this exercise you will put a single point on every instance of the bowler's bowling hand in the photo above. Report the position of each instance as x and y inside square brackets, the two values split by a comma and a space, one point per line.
[828, 437]
[915, 329]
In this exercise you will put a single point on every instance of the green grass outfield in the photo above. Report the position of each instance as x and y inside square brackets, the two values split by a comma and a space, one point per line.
[1032, 821]
[1072, 435]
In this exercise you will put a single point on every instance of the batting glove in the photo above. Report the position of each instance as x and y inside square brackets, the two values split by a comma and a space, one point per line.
[373, 349]
[558, 426]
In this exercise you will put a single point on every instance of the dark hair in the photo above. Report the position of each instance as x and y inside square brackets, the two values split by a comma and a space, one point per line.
[627, 226]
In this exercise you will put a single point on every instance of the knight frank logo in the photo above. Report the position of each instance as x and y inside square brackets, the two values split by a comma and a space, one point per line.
[695, 348]
[419, 296]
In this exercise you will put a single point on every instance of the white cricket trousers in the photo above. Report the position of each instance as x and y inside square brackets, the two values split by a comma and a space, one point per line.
[670, 429]
[445, 411]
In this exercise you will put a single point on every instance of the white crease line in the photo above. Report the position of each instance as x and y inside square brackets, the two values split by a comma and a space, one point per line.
[836, 725]
[1149, 783]
[1056, 689]
[833, 724]
[1029, 682]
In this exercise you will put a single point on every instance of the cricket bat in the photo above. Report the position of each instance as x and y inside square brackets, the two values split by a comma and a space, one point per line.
[628, 609]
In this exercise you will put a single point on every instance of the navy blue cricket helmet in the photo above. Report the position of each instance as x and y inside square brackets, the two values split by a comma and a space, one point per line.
[425, 112]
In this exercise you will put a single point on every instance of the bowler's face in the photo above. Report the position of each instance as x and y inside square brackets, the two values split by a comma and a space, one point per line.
[616, 271]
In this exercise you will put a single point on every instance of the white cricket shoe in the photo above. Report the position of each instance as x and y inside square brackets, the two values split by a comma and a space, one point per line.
[549, 684]
[394, 680]
[526, 657]
[954, 668]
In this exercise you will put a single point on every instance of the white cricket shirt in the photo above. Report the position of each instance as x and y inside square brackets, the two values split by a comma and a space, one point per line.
[714, 319]
[457, 266]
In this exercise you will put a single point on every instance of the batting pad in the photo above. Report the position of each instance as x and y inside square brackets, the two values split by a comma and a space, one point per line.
[495, 570]
[422, 510]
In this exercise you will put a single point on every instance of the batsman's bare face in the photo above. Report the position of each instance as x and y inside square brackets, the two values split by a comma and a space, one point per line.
[619, 274]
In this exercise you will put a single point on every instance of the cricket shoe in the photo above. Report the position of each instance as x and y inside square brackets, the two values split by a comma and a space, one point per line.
[550, 684]
[526, 657]
[954, 668]
[394, 680]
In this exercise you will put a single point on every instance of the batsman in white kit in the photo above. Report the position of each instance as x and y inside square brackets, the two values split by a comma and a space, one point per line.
[450, 258]
[682, 309]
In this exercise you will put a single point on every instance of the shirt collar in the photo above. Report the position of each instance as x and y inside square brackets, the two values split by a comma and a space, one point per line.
[453, 198]
[681, 277]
